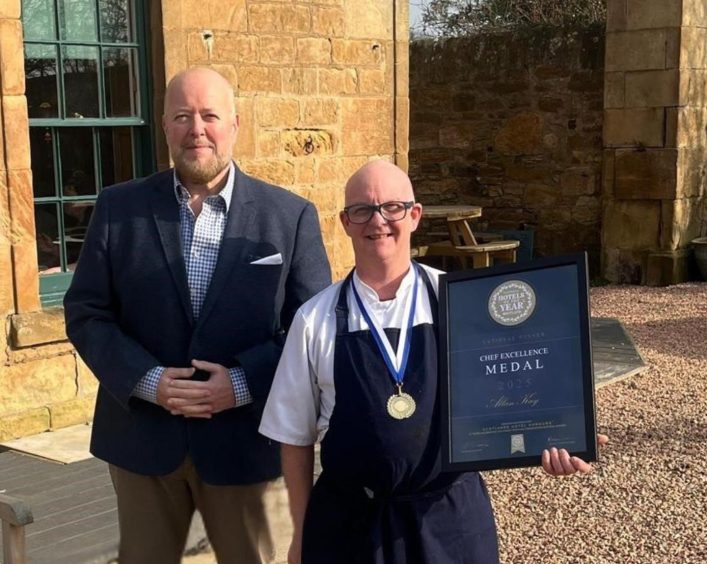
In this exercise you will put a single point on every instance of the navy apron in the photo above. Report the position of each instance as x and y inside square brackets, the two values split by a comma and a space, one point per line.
[381, 498]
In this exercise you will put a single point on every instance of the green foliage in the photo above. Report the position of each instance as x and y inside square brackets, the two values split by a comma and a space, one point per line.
[467, 17]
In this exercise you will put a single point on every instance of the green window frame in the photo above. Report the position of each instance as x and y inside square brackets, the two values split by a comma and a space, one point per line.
[88, 97]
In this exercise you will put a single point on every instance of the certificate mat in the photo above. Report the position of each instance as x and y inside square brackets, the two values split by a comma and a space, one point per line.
[515, 364]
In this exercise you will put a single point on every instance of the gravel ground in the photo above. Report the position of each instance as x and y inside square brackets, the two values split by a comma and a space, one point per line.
[646, 501]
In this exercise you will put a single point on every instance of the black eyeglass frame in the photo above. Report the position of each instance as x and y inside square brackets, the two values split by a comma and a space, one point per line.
[373, 208]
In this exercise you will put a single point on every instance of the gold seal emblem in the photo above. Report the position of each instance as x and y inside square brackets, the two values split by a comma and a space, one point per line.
[401, 405]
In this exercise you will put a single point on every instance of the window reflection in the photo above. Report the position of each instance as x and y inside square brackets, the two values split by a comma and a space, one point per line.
[76, 218]
[42, 151]
[77, 20]
[38, 20]
[116, 154]
[81, 81]
[48, 244]
[40, 81]
[119, 67]
[77, 166]
[116, 18]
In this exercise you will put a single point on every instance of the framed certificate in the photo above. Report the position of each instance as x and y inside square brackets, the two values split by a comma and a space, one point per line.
[515, 364]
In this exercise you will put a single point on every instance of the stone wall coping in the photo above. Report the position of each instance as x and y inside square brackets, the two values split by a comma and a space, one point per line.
[37, 327]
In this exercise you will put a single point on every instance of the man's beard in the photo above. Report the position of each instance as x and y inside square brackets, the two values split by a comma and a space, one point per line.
[198, 172]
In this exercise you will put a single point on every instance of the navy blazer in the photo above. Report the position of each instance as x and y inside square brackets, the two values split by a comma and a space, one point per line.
[128, 310]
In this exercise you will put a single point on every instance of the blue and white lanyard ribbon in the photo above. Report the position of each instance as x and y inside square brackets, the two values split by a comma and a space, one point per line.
[395, 361]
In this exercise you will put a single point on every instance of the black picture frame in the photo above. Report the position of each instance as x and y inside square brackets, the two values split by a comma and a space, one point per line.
[493, 404]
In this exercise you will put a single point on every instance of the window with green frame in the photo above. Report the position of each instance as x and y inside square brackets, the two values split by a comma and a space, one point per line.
[87, 98]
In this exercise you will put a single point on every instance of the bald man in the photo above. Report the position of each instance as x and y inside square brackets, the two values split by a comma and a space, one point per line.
[187, 282]
[359, 374]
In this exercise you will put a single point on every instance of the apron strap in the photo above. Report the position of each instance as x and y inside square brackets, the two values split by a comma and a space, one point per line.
[342, 305]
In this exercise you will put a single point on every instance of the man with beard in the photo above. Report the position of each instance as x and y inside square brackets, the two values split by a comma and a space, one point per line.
[187, 282]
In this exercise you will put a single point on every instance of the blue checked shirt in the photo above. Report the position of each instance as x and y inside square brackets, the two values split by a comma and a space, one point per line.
[201, 241]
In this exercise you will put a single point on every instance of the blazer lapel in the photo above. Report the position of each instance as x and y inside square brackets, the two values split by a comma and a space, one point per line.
[241, 215]
[166, 213]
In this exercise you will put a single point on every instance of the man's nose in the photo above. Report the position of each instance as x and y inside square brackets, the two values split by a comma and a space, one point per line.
[197, 126]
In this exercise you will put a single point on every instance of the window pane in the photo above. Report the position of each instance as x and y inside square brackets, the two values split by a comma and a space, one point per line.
[38, 19]
[41, 147]
[77, 20]
[48, 249]
[116, 154]
[40, 81]
[119, 66]
[116, 21]
[81, 81]
[76, 217]
[77, 169]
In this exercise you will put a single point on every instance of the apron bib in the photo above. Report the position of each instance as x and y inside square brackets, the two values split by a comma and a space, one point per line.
[381, 498]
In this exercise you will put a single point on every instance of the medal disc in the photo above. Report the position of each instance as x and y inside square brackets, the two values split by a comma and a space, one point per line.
[401, 405]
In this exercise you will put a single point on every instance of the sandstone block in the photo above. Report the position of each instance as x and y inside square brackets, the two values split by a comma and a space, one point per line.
[270, 18]
[694, 13]
[320, 111]
[29, 354]
[73, 412]
[276, 49]
[652, 88]
[302, 142]
[245, 146]
[41, 382]
[369, 18]
[305, 171]
[300, 81]
[521, 135]
[24, 259]
[402, 128]
[7, 290]
[215, 14]
[646, 175]
[10, 9]
[632, 127]
[358, 52]
[693, 85]
[667, 267]
[616, 15]
[652, 14]
[313, 51]
[692, 173]
[226, 48]
[175, 50]
[330, 171]
[633, 225]
[16, 130]
[686, 127]
[373, 82]
[614, 89]
[337, 82]
[275, 171]
[24, 423]
[578, 182]
[259, 79]
[328, 21]
[636, 50]
[21, 207]
[12, 62]
[540, 196]
[623, 266]
[282, 112]
[38, 327]
[362, 121]
[268, 144]
[86, 381]
[680, 223]
[693, 51]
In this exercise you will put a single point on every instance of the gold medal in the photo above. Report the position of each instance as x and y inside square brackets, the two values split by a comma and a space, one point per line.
[401, 405]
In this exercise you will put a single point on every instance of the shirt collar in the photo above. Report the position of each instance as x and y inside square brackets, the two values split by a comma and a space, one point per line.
[226, 192]
[370, 294]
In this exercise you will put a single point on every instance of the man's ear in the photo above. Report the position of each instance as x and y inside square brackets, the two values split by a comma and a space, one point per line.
[415, 215]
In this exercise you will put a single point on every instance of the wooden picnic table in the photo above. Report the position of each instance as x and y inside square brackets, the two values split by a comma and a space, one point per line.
[450, 212]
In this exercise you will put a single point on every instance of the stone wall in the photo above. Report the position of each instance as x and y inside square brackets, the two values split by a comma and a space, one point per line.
[655, 169]
[322, 88]
[513, 123]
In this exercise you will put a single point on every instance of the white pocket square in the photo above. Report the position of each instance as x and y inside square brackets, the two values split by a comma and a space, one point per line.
[272, 259]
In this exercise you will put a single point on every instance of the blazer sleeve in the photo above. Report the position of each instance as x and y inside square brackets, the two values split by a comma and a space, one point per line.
[117, 360]
[309, 273]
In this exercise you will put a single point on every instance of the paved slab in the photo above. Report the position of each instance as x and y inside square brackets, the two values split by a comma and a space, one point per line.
[614, 354]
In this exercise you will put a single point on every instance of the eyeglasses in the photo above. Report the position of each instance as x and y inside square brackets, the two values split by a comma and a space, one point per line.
[391, 211]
